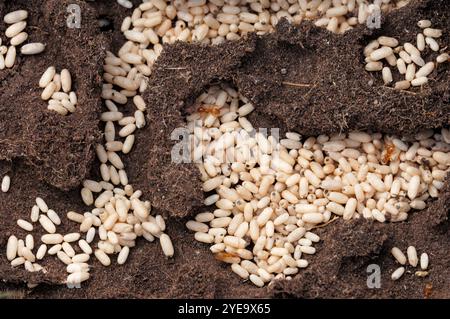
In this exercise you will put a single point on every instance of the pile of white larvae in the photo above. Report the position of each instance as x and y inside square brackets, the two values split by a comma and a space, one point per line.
[413, 260]
[119, 216]
[342, 15]
[17, 36]
[156, 22]
[20, 252]
[409, 57]
[268, 193]
[122, 214]
[52, 83]
[215, 21]
[118, 219]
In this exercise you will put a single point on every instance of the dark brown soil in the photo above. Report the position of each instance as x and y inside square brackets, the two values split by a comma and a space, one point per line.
[59, 148]
[339, 99]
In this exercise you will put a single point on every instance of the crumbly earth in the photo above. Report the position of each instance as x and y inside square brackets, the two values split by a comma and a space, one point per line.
[339, 98]
[59, 148]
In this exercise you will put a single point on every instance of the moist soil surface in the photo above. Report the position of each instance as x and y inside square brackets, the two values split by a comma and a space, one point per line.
[48, 155]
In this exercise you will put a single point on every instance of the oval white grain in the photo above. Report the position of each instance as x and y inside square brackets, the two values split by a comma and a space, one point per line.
[102, 257]
[424, 261]
[398, 273]
[412, 256]
[15, 16]
[123, 255]
[6, 183]
[52, 239]
[24, 225]
[10, 57]
[66, 80]
[32, 48]
[15, 29]
[11, 247]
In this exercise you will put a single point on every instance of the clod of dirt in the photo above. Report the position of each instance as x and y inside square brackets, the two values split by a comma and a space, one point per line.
[176, 188]
[59, 148]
